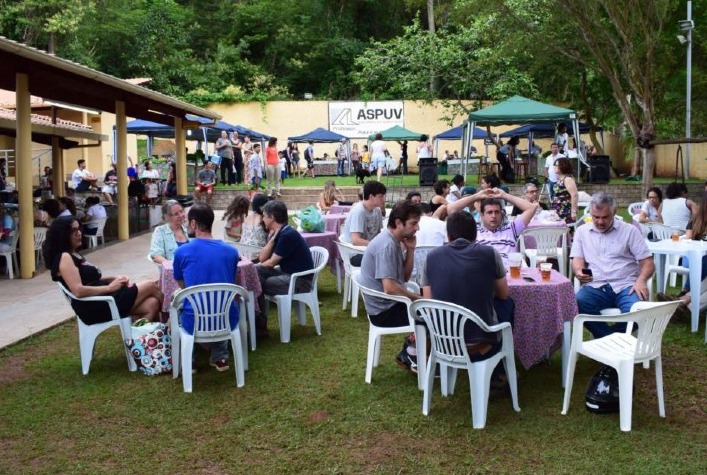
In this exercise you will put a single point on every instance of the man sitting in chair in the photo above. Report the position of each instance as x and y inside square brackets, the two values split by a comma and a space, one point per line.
[530, 194]
[285, 248]
[611, 260]
[386, 269]
[81, 178]
[205, 260]
[480, 268]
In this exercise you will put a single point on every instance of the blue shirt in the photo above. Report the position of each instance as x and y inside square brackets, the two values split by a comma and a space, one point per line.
[205, 261]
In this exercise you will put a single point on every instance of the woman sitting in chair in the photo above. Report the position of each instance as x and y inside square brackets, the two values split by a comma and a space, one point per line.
[329, 197]
[169, 236]
[254, 233]
[61, 254]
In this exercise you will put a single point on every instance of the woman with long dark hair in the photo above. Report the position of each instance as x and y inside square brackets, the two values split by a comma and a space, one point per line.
[68, 266]
[253, 232]
[564, 201]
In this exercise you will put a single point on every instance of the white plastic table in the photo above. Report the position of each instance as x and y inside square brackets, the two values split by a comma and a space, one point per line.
[694, 250]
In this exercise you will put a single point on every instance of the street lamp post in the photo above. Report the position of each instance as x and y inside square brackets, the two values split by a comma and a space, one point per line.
[687, 26]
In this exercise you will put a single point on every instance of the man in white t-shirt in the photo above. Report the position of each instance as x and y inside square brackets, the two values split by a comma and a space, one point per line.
[550, 167]
[81, 178]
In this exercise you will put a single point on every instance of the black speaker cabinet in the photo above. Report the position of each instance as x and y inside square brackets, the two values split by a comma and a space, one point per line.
[599, 169]
[428, 171]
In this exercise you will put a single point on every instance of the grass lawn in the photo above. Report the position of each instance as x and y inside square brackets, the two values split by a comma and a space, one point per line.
[306, 409]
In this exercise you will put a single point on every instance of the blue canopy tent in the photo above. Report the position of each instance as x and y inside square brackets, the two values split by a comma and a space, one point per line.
[209, 132]
[318, 135]
[456, 133]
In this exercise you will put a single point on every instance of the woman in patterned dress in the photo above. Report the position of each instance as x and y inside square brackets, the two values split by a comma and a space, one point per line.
[565, 197]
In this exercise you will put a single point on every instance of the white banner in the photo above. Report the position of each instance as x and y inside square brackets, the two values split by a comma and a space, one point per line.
[361, 119]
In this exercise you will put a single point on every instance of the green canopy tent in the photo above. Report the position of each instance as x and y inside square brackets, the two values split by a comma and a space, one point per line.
[396, 133]
[520, 110]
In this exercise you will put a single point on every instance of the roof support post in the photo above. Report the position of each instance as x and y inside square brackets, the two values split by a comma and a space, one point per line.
[23, 164]
[180, 150]
[57, 168]
[121, 141]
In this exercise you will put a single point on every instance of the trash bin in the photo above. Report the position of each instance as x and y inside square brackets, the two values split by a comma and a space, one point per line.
[442, 168]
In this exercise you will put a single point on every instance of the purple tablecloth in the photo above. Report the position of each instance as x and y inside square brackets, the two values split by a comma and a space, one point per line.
[247, 277]
[325, 240]
[339, 209]
[334, 222]
[541, 308]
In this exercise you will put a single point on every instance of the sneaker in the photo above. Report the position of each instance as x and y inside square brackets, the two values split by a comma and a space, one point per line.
[220, 365]
[405, 361]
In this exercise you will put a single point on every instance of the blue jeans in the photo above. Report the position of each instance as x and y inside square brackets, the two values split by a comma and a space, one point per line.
[592, 301]
[686, 263]
[551, 184]
[340, 167]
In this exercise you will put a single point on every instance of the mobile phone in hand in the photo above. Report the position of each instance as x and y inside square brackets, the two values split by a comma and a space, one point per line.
[587, 271]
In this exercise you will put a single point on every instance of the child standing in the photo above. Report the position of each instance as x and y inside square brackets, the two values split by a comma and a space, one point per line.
[283, 166]
[256, 169]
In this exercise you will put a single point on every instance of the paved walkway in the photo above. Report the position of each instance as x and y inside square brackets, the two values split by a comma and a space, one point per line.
[29, 306]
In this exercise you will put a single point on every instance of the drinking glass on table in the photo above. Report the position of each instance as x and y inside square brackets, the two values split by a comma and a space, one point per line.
[515, 260]
[545, 270]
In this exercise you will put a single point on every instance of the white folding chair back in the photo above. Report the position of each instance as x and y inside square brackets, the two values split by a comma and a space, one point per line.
[11, 254]
[660, 232]
[40, 234]
[320, 256]
[375, 332]
[635, 208]
[89, 333]
[445, 323]
[622, 351]
[93, 239]
[347, 251]
[546, 240]
[211, 304]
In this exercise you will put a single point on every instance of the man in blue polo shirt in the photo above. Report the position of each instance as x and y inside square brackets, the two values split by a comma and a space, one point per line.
[285, 248]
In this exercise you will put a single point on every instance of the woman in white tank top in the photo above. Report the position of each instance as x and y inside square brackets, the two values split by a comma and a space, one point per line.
[675, 209]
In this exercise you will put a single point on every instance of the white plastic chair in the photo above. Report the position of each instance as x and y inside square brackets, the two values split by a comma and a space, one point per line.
[635, 208]
[93, 239]
[40, 234]
[375, 332]
[320, 256]
[445, 322]
[546, 239]
[660, 232]
[622, 351]
[347, 251]
[89, 333]
[11, 254]
[420, 263]
[211, 304]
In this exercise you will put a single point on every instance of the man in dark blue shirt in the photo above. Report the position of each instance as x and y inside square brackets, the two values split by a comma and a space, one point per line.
[285, 248]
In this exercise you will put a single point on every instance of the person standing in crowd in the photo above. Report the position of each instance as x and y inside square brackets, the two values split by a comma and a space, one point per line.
[378, 160]
[237, 165]
[404, 156]
[288, 159]
[565, 194]
[366, 158]
[309, 157]
[562, 139]
[272, 162]
[246, 147]
[550, 172]
[255, 166]
[296, 170]
[224, 149]
[171, 187]
[424, 148]
[341, 158]
[355, 158]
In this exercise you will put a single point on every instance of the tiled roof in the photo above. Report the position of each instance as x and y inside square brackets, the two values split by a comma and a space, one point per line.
[45, 120]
